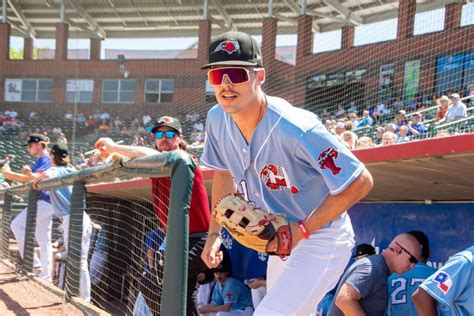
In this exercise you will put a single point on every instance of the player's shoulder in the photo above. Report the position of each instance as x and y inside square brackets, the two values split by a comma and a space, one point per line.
[215, 112]
[292, 116]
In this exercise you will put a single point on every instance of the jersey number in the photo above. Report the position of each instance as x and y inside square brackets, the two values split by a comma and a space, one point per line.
[400, 285]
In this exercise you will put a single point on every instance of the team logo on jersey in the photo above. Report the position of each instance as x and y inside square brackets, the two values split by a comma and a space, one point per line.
[326, 160]
[228, 46]
[229, 295]
[276, 178]
[444, 281]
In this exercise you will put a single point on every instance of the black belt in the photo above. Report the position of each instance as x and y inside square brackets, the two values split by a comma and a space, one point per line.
[198, 235]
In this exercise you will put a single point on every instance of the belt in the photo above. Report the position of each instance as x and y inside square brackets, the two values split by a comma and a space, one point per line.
[198, 235]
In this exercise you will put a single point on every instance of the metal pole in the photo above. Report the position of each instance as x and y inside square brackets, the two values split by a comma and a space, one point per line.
[62, 12]
[4, 11]
[270, 8]
[29, 246]
[6, 220]
[205, 13]
[303, 7]
[76, 218]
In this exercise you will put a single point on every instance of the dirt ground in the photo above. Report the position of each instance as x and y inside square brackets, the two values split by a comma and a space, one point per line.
[21, 296]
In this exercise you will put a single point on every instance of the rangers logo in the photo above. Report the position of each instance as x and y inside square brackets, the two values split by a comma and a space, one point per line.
[326, 160]
[275, 178]
[444, 281]
[228, 46]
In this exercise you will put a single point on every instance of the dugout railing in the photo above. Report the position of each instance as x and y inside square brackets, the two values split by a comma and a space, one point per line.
[177, 165]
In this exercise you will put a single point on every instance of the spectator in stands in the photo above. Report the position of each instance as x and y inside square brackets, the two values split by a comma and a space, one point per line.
[388, 138]
[398, 104]
[11, 114]
[366, 120]
[68, 116]
[103, 128]
[96, 115]
[457, 111]
[400, 119]
[81, 161]
[450, 289]
[198, 126]
[403, 134]
[364, 142]
[56, 131]
[168, 137]
[33, 116]
[391, 127]
[353, 118]
[340, 128]
[104, 116]
[81, 119]
[349, 139]
[37, 147]
[90, 122]
[230, 296]
[362, 289]
[352, 108]
[341, 112]
[137, 140]
[379, 131]
[401, 287]
[118, 124]
[146, 119]
[192, 117]
[380, 110]
[416, 127]
[62, 139]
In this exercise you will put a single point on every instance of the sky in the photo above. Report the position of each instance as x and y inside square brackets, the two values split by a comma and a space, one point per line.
[425, 22]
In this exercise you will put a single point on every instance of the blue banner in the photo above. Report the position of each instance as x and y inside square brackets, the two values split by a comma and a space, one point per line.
[448, 226]
[453, 62]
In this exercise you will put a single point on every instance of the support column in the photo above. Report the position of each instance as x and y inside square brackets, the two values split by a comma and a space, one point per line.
[452, 18]
[28, 48]
[205, 32]
[305, 37]
[5, 30]
[269, 34]
[96, 45]
[62, 34]
[406, 18]
[347, 40]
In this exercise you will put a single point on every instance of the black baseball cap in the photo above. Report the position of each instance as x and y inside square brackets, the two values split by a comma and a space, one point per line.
[60, 150]
[37, 138]
[234, 49]
[167, 121]
[364, 250]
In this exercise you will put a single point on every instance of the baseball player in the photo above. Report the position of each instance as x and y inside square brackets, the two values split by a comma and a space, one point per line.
[37, 147]
[401, 287]
[450, 289]
[61, 201]
[168, 137]
[284, 160]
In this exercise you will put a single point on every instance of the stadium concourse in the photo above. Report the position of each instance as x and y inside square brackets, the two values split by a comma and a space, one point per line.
[392, 80]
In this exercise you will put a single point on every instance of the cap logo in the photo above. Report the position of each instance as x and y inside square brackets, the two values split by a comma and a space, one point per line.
[228, 46]
[166, 119]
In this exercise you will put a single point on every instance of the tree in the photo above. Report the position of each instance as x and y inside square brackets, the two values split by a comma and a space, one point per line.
[18, 54]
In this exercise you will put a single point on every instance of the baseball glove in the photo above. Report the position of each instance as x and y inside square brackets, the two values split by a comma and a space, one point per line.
[253, 227]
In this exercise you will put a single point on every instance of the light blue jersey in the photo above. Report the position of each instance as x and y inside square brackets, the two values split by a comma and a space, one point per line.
[402, 287]
[61, 197]
[452, 286]
[234, 293]
[290, 166]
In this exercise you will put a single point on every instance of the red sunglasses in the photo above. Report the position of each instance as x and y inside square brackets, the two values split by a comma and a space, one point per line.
[236, 75]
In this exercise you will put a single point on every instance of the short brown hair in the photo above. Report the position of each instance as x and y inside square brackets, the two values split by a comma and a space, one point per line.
[61, 161]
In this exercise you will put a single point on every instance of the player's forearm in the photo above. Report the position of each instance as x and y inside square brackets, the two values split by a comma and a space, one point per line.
[335, 205]
[222, 185]
[424, 303]
[18, 177]
[133, 151]
[150, 255]
[211, 308]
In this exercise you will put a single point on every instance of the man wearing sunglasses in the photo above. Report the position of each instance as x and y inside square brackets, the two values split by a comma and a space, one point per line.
[37, 145]
[284, 160]
[168, 137]
[363, 287]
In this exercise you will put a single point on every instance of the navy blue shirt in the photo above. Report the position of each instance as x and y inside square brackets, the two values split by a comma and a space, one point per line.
[40, 165]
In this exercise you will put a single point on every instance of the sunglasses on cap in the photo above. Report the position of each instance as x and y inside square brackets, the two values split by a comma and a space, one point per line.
[165, 134]
[412, 257]
[236, 75]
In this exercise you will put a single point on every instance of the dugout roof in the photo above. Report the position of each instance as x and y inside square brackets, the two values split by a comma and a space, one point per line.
[179, 18]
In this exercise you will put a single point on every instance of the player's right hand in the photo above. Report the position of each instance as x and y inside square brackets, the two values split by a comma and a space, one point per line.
[104, 144]
[211, 254]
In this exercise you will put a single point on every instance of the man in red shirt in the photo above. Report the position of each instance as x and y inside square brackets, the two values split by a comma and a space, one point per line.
[168, 137]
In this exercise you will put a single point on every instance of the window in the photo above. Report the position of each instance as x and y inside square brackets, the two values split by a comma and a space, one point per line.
[327, 41]
[159, 90]
[429, 21]
[29, 90]
[118, 91]
[376, 32]
[79, 91]
[467, 14]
